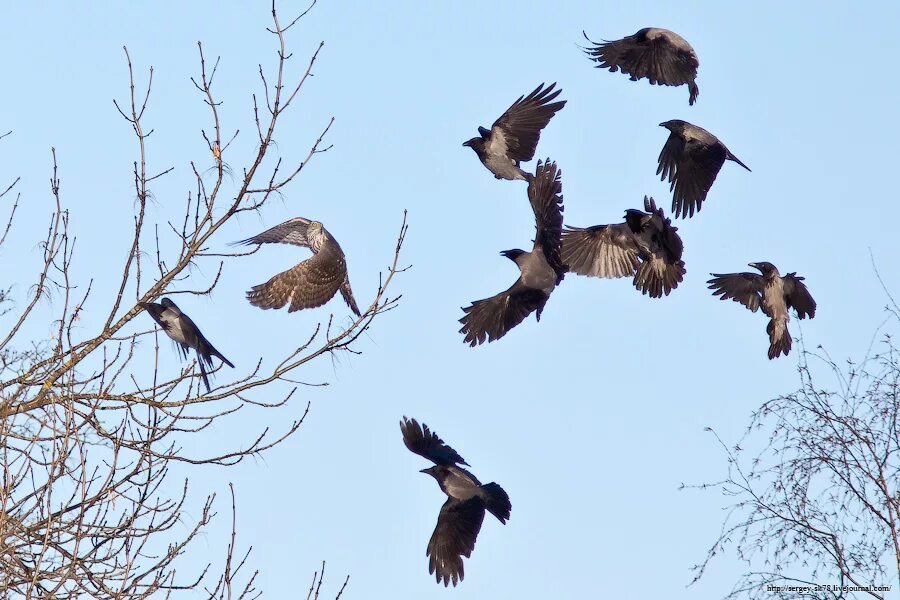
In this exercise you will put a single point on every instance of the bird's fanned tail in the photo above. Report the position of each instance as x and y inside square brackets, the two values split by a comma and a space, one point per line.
[497, 501]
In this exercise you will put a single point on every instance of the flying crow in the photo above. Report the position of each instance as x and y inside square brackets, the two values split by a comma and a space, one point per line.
[314, 281]
[646, 246]
[660, 55]
[461, 515]
[514, 136]
[691, 159]
[774, 294]
[541, 269]
[184, 333]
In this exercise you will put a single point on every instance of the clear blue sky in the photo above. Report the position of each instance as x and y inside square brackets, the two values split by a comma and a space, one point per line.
[590, 419]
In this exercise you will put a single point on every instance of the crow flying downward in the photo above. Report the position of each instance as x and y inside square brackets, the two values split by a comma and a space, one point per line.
[771, 292]
[314, 281]
[184, 333]
[646, 246]
[541, 270]
[462, 514]
[691, 159]
[513, 138]
[660, 55]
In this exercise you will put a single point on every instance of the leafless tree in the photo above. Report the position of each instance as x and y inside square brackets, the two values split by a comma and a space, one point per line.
[87, 509]
[816, 512]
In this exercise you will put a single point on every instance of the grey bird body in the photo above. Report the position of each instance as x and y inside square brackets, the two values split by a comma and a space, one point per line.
[186, 335]
[646, 247]
[462, 515]
[541, 269]
[772, 293]
[691, 159]
[661, 56]
[513, 138]
[314, 281]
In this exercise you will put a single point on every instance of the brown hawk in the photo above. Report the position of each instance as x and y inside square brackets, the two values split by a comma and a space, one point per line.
[313, 282]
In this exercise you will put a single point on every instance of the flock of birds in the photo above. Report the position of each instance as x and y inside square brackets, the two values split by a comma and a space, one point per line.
[646, 247]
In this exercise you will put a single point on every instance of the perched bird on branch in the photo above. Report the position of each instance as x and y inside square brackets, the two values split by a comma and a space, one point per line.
[659, 55]
[646, 246]
[314, 281]
[691, 159]
[462, 514]
[771, 292]
[185, 334]
[541, 270]
[513, 138]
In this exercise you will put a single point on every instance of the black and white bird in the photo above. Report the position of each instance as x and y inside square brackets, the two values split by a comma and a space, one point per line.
[691, 159]
[185, 334]
[646, 246]
[771, 292]
[462, 514]
[311, 283]
[541, 270]
[513, 138]
[659, 55]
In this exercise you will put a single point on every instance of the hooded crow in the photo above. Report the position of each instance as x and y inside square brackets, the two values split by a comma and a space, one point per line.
[513, 138]
[660, 55]
[541, 269]
[774, 294]
[184, 333]
[691, 159]
[646, 246]
[314, 281]
[462, 514]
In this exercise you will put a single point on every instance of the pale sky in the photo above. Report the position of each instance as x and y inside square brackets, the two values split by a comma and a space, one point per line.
[589, 419]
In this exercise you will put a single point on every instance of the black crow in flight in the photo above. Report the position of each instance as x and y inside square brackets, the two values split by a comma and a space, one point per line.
[691, 159]
[462, 514]
[646, 246]
[184, 333]
[541, 270]
[314, 281]
[771, 292]
[660, 55]
[513, 138]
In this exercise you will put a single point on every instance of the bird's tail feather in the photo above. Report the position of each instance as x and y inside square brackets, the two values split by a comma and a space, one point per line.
[496, 501]
[203, 374]
[779, 339]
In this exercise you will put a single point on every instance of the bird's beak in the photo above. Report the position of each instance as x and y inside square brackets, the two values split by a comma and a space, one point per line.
[754, 265]
[426, 471]
[467, 143]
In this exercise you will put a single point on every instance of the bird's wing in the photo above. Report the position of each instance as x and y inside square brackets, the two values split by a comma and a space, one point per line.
[515, 134]
[289, 232]
[545, 195]
[454, 536]
[310, 284]
[490, 319]
[797, 296]
[691, 168]
[426, 443]
[663, 59]
[600, 251]
[745, 288]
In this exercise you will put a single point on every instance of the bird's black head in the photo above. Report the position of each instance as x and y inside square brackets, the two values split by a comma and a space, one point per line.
[167, 303]
[475, 144]
[764, 267]
[434, 471]
[512, 254]
[675, 125]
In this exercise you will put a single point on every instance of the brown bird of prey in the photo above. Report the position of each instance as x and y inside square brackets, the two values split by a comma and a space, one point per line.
[185, 334]
[313, 282]
[541, 270]
[660, 55]
[646, 246]
[771, 292]
[462, 514]
[513, 137]
[691, 159]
